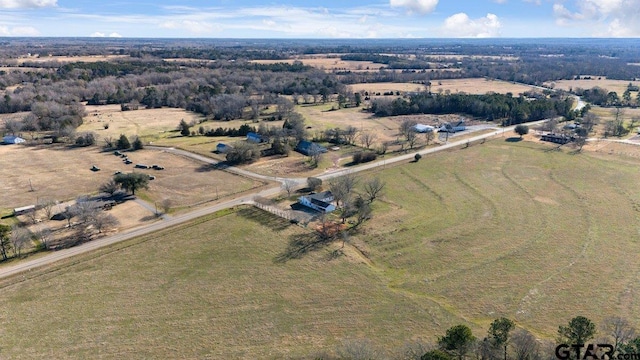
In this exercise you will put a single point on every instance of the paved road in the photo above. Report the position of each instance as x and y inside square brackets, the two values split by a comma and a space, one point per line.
[245, 199]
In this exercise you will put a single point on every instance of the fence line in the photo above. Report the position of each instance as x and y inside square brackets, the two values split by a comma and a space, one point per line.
[275, 211]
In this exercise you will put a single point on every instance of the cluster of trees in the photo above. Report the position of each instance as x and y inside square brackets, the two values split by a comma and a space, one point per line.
[515, 110]
[504, 341]
[603, 97]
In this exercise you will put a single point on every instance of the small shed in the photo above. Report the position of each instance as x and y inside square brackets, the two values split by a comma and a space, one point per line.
[11, 139]
[319, 201]
[24, 210]
[309, 148]
[254, 138]
[223, 148]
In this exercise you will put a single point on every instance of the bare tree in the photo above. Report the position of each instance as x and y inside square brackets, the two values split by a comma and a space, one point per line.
[20, 238]
[359, 350]
[33, 215]
[289, 185]
[619, 329]
[550, 125]
[342, 188]
[350, 134]
[373, 188]
[44, 235]
[406, 127]
[166, 205]
[429, 136]
[524, 344]
[367, 138]
[110, 187]
[86, 210]
[102, 221]
[47, 206]
[412, 138]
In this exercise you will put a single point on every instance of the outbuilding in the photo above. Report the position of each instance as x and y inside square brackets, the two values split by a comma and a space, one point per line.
[11, 139]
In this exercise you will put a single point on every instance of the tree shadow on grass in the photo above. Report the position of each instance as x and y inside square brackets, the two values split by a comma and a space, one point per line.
[300, 245]
[212, 167]
[513, 139]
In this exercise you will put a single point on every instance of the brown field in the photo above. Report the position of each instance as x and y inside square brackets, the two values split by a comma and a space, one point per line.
[63, 173]
[330, 64]
[67, 59]
[143, 123]
[619, 86]
[478, 86]
[373, 88]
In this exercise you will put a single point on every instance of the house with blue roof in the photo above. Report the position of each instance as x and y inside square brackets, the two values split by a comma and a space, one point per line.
[309, 148]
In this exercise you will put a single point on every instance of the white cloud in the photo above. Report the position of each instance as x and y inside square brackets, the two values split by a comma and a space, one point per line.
[19, 31]
[192, 26]
[460, 25]
[500, 1]
[115, 35]
[97, 34]
[611, 18]
[418, 6]
[27, 4]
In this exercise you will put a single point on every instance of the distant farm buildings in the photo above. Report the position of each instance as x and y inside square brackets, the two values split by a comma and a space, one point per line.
[309, 148]
[11, 139]
[452, 128]
[320, 201]
[557, 138]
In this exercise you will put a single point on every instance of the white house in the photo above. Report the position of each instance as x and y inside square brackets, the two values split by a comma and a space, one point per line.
[11, 139]
[320, 201]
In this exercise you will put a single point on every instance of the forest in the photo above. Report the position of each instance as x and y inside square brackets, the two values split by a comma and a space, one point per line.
[227, 85]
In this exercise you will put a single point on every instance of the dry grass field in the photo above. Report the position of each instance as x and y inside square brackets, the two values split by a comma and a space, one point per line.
[498, 229]
[329, 64]
[67, 59]
[62, 173]
[143, 123]
[469, 86]
[619, 86]
[374, 88]
[478, 86]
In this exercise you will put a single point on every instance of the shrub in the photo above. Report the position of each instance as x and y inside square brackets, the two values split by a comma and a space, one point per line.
[417, 157]
[364, 156]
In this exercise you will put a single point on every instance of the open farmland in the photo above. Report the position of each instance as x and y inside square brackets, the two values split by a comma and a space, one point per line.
[498, 229]
[478, 86]
[143, 123]
[619, 86]
[373, 88]
[66, 59]
[329, 64]
[62, 173]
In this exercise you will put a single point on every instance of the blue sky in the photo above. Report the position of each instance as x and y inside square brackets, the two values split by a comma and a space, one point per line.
[321, 19]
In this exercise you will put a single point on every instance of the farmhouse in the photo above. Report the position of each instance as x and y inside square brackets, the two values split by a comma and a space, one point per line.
[309, 148]
[11, 139]
[320, 201]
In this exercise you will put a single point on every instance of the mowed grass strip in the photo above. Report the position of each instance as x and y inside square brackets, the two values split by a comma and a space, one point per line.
[514, 230]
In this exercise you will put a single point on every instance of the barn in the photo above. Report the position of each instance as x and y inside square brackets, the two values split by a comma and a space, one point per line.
[11, 139]
[309, 148]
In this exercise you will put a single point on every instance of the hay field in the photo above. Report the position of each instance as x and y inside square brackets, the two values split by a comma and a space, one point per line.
[619, 86]
[466, 236]
[143, 123]
[63, 173]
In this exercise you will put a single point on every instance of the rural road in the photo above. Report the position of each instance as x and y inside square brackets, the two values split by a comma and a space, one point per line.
[50, 258]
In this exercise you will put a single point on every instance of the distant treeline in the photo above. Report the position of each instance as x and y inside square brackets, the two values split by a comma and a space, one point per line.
[514, 110]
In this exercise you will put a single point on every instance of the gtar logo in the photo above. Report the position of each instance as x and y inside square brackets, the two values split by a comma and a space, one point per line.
[591, 351]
